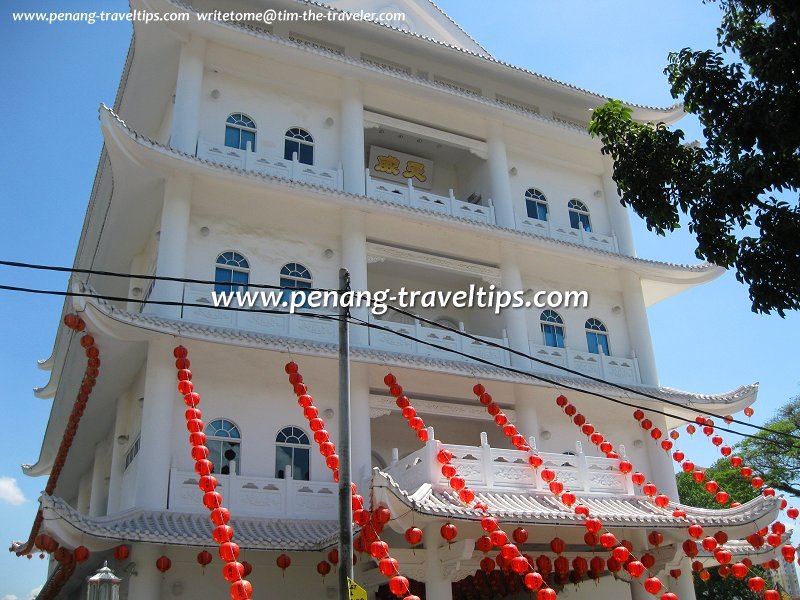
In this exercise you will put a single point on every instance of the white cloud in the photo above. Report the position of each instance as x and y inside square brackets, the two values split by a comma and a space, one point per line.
[34, 592]
[9, 597]
[10, 492]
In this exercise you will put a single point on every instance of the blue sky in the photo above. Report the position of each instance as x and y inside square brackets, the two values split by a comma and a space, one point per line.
[55, 76]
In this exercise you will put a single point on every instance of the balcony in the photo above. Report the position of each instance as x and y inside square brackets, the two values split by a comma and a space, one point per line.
[257, 496]
[615, 369]
[499, 470]
[270, 165]
[567, 234]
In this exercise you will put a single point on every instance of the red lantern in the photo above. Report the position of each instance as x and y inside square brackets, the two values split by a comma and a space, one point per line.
[662, 500]
[608, 540]
[163, 564]
[638, 478]
[625, 467]
[323, 568]
[652, 585]
[723, 556]
[283, 562]
[756, 584]
[696, 531]
[248, 568]
[520, 535]
[650, 490]
[233, 571]
[620, 554]
[787, 551]
[739, 570]
[229, 552]
[241, 590]
[635, 568]
[546, 594]
[121, 552]
[487, 564]
[557, 545]
[709, 544]
[532, 581]
[398, 585]
[414, 535]
[448, 532]
[81, 554]
[749, 411]
[548, 475]
[655, 538]
[499, 537]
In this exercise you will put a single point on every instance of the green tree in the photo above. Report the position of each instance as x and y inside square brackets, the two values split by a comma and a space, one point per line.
[773, 456]
[734, 189]
[695, 494]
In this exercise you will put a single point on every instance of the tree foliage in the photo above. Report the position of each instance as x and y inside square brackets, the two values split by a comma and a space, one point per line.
[775, 457]
[695, 494]
[746, 95]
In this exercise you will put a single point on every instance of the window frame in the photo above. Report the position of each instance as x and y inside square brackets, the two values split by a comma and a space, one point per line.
[582, 219]
[555, 322]
[297, 139]
[596, 330]
[215, 437]
[241, 123]
[536, 198]
[306, 446]
[290, 283]
[223, 286]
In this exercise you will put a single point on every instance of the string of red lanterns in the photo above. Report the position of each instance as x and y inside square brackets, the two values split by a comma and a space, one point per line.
[233, 570]
[371, 522]
[496, 538]
[593, 525]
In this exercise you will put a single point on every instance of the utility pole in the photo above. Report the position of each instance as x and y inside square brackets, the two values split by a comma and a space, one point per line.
[345, 502]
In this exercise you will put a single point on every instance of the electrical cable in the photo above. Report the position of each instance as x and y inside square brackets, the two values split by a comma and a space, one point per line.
[360, 322]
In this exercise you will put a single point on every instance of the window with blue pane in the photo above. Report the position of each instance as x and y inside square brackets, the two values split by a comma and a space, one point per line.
[224, 442]
[552, 329]
[240, 131]
[292, 448]
[579, 215]
[299, 141]
[536, 204]
[597, 337]
[295, 278]
[232, 272]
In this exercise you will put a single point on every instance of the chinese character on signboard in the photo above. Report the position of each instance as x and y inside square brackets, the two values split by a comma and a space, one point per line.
[400, 167]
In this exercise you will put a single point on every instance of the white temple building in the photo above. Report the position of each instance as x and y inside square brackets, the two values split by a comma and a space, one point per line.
[242, 154]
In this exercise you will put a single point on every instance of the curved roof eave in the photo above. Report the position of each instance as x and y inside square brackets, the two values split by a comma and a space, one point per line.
[668, 113]
[121, 324]
[132, 144]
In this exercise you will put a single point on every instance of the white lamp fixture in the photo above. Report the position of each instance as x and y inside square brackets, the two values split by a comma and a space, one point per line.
[103, 585]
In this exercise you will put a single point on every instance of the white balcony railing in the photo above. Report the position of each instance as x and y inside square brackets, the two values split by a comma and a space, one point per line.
[270, 165]
[496, 469]
[386, 340]
[257, 496]
[410, 196]
[610, 368]
[567, 234]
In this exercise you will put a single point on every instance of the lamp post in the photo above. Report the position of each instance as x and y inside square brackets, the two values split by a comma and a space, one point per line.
[103, 585]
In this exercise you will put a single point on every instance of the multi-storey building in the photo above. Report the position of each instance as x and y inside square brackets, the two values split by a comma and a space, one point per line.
[239, 154]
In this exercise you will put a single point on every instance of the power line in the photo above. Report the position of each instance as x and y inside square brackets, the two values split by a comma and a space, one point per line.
[34, 266]
[361, 322]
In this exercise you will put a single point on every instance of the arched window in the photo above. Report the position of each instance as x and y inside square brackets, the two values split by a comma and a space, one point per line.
[294, 277]
[597, 337]
[232, 273]
[552, 329]
[292, 450]
[536, 204]
[299, 141]
[240, 130]
[579, 215]
[224, 446]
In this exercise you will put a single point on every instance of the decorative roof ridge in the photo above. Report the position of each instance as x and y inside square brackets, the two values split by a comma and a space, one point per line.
[461, 29]
[142, 139]
[194, 529]
[747, 513]
[189, 329]
[490, 58]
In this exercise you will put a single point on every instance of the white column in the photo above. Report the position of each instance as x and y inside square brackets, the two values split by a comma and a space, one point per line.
[684, 586]
[662, 471]
[360, 443]
[638, 592]
[515, 320]
[525, 407]
[354, 259]
[437, 586]
[97, 496]
[639, 327]
[118, 453]
[172, 242]
[618, 214]
[188, 91]
[146, 584]
[84, 492]
[500, 184]
[351, 134]
[160, 403]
